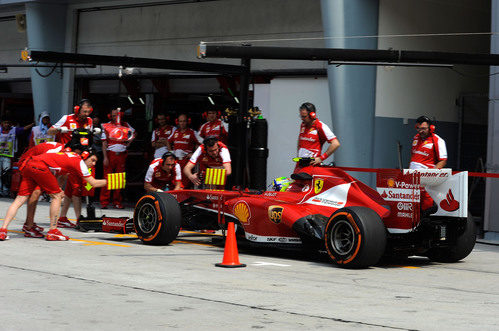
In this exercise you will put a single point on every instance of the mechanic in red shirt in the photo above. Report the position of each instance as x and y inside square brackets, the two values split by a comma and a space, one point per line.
[211, 154]
[163, 173]
[313, 134]
[39, 171]
[183, 142]
[63, 128]
[428, 149]
[428, 152]
[30, 228]
[116, 137]
[159, 139]
[214, 127]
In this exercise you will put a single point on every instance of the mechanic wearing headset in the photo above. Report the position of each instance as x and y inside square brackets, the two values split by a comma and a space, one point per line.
[313, 134]
[116, 137]
[63, 128]
[39, 171]
[183, 142]
[214, 126]
[163, 173]
[428, 149]
[211, 154]
[428, 152]
[159, 139]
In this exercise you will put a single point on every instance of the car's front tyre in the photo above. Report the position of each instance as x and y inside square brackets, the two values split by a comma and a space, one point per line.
[157, 218]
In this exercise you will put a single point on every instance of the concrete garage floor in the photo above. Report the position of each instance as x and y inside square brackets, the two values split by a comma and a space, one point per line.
[102, 281]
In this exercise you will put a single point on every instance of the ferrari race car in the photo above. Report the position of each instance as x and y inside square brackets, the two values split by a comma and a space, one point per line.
[324, 208]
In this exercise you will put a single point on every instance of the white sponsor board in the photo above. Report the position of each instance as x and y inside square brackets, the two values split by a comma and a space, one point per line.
[399, 194]
[449, 191]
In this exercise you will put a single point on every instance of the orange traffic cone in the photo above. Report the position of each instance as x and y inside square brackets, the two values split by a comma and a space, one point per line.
[231, 255]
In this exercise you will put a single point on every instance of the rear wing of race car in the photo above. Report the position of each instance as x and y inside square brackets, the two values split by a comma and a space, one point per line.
[402, 192]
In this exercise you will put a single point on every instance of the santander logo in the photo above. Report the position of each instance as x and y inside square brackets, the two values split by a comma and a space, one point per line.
[449, 203]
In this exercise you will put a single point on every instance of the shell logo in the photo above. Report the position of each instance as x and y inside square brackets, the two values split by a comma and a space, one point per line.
[242, 212]
[390, 182]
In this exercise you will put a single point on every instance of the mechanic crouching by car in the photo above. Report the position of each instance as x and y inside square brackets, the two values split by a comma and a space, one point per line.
[211, 154]
[313, 135]
[428, 152]
[163, 174]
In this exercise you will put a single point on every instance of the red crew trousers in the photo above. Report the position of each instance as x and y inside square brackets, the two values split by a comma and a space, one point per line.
[116, 164]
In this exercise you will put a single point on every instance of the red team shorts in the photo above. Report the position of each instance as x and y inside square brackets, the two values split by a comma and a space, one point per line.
[37, 175]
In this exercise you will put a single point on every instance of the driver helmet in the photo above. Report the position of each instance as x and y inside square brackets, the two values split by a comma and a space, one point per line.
[282, 183]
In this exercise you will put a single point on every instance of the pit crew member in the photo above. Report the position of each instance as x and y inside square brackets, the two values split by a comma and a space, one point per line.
[39, 133]
[213, 126]
[428, 149]
[428, 152]
[30, 228]
[313, 134]
[63, 128]
[38, 171]
[211, 154]
[163, 173]
[8, 147]
[183, 142]
[159, 139]
[116, 137]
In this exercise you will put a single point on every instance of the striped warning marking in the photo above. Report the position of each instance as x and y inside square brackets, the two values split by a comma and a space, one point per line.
[215, 176]
[116, 181]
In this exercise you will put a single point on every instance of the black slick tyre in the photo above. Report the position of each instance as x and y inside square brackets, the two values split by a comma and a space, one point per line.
[463, 246]
[355, 237]
[157, 218]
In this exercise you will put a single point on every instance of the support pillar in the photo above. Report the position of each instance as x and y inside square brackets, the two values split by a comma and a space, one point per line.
[46, 30]
[491, 214]
[352, 89]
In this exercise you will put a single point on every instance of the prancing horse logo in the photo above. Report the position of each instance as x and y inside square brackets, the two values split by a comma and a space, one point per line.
[319, 184]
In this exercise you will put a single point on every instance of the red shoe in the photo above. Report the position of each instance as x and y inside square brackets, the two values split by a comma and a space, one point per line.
[56, 235]
[63, 222]
[35, 226]
[32, 233]
[119, 206]
[3, 234]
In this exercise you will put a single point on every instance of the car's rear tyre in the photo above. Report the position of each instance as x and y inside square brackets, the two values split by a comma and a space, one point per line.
[355, 237]
[157, 218]
[462, 248]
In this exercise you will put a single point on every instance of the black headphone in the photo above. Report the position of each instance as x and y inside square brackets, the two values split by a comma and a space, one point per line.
[80, 104]
[167, 155]
[422, 119]
[208, 140]
[310, 108]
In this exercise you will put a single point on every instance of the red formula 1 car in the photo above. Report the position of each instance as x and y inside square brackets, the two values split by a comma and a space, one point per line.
[327, 209]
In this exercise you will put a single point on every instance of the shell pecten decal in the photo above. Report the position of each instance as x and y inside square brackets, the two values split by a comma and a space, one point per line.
[242, 212]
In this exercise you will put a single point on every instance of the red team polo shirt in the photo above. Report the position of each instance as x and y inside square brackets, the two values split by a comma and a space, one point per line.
[162, 133]
[217, 128]
[312, 138]
[71, 122]
[205, 161]
[48, 147]
[427, 153]
[184, 142]
[159, 179]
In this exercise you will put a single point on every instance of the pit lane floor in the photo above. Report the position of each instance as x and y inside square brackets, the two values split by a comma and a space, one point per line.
[107, 282]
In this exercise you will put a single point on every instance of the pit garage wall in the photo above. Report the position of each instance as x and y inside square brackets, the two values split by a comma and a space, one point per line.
[173, 31]
[12, 42]
[403, 94]
[280, 101]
